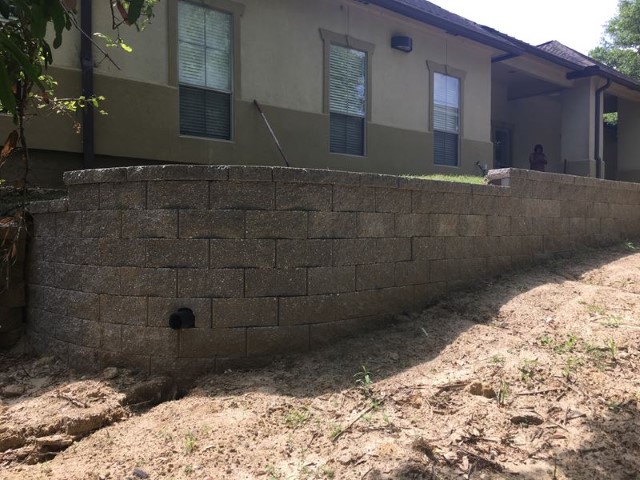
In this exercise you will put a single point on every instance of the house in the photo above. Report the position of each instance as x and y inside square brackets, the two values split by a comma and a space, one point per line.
[390, 86]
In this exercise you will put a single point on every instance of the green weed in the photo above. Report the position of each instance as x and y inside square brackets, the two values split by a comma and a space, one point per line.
[567, 346]
[189, 444]
[364, 382]
[296, 418]
[528, 370]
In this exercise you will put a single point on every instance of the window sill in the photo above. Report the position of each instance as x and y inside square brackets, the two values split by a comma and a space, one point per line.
[207, 139]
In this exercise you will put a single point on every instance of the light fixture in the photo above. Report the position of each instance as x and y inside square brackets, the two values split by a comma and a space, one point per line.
[402, 43]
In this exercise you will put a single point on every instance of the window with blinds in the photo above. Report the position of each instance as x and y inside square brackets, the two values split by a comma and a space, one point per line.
[347, 99]
[446, 119]
[205, 66]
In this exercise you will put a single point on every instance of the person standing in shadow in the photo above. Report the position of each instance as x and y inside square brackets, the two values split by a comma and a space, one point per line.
[538, 160]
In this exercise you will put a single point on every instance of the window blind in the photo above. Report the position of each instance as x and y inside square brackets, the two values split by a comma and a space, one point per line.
[446, 119]
[347, 99]
[205, 71]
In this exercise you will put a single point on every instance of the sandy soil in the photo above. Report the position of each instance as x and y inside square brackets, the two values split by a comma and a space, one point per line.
[531, 376]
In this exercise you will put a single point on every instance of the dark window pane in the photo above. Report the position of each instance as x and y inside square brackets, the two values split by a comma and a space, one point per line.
[347, 134]
[445, 148]
[205, 113]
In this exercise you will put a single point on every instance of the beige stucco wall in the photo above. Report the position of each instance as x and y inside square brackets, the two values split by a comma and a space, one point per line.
[281, 55]
[628, 134]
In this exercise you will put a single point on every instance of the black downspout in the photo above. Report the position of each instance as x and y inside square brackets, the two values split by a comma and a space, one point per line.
[598, 126]
[86, 64]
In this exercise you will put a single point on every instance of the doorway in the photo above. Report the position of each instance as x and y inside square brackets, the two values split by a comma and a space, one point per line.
[502, 148]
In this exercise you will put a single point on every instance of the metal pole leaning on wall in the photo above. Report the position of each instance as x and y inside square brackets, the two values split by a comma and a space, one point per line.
[273, 135]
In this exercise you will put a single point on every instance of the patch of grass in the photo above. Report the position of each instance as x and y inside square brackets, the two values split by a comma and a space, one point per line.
[328, 472]
[595, 309]
[295, 418]
[571, 366]
[473, 179]
[528, 370]
[189, 444]
[503, 393]
[364, 382]
[498, 359]
[568, 345]
[612, 321]
[546, 341]
[631, 246]
[335, 431]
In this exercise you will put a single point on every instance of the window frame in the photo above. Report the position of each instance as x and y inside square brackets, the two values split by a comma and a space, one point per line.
[331, 38]
[460, 75]
[236, 10]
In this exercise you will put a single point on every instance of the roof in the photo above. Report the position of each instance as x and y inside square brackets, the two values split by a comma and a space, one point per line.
[553, 51]
[431, 14]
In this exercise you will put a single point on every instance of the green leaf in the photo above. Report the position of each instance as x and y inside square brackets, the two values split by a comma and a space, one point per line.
[38, 22]
[59, 22]
[7, 98]
[31, 71]
[135, 7]
[126, 47]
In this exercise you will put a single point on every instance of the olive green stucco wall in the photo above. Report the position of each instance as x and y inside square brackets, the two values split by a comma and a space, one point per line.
[280, 63]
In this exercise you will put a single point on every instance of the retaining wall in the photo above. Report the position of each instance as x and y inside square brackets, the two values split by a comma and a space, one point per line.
[12, 284]
[276, 260]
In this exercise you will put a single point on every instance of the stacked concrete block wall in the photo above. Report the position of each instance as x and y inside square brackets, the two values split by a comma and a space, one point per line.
[12, 283]
[277, 260]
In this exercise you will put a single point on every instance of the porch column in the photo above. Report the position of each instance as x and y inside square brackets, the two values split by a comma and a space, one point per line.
[628, 140]
[578, 128]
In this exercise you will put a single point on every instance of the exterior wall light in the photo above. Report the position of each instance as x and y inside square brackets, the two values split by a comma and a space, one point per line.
[182, 318]
[402, 43]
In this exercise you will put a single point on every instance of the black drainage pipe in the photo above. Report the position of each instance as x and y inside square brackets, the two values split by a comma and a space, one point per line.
[182, 318]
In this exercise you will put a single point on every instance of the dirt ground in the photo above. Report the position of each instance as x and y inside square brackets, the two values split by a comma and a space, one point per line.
[531, 376]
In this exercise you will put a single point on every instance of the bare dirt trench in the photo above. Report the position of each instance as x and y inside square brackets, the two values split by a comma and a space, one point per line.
[532, 376]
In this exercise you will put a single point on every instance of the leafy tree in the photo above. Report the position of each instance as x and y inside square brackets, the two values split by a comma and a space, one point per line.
[620, 46]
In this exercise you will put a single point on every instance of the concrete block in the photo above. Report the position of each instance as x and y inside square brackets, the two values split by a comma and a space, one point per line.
[379, 275]
[277, 340]
[305, 310]
[161, 342]
[301, 196]
[125, 196]
[508, 245]
[324, 280]
[427, 294]
[354, 199]
[211, 343]
[178, 194]
[439, 202]
[413, 225]
[111, 337]
[498, 265]
[177, 172]
[249, 253]
[153, 282]
[41, 273]
[44, 225]
[445, 270]
[445, 225]
[102, 224]
[122, 252]
[375, 224]
[472, 225]
[123, 309]
[210, 283]
[87, 278]
[485, 204]
[393, 249]
[245, 312]
[84, 197]
[150, 224]
[79, 251]
[81, 305]
[160, 309]
[323, 334]
[378, 180]
[303, 253]
[136, 363]
[212, 224]
[498, 226]
[177, 253]
[271, 282]
[276, 224]
[243, 173]
[88, 358]
[242, 195]
[69, 224]
[393, 200]
[354, 251]
[411, 273]
[308, 175]
[542, 226]
[428, 248]
[332, 224]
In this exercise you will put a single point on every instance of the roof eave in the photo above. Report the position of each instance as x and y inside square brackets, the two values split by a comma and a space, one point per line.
[595, 70]
[445, 25]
